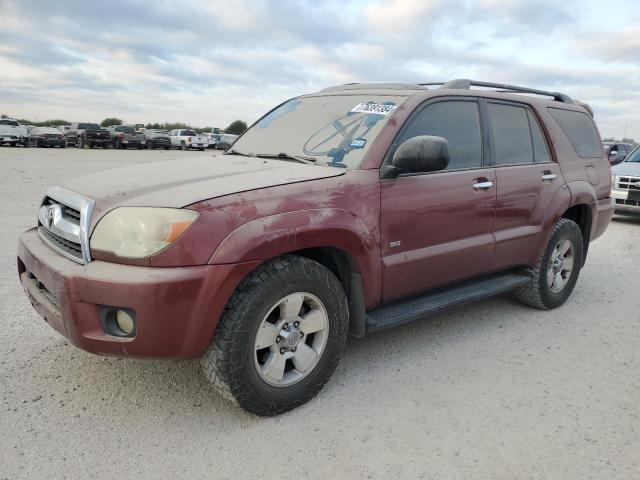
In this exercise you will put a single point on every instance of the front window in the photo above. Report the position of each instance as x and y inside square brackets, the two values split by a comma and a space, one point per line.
[11, 123]
[330, 129]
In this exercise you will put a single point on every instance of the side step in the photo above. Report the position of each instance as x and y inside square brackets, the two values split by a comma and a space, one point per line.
[415, 308]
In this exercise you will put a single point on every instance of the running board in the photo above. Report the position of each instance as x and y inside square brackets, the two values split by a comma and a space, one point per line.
[415, 308]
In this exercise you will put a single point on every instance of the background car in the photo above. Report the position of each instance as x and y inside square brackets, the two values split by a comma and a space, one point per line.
[157, 138]
[124, 136]
[186, 139]
[91, 134]
[47, 137]
[226, 139]
[212, 139]
[617, 151]
[12, 132]
[626, 184]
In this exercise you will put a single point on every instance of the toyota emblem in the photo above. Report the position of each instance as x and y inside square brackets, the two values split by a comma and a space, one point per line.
[48, 219]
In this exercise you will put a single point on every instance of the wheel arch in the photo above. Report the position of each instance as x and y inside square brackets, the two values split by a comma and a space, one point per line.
[581, 214]
[333, 237]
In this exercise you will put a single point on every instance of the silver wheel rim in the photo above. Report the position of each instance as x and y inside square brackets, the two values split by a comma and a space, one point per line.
[560, 267]
[291, 339]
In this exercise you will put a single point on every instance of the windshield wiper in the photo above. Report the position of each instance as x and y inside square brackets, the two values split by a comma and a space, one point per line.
[235, 152]
[286, 156]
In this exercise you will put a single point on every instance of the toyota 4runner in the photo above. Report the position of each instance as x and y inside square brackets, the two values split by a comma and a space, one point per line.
[351, 210]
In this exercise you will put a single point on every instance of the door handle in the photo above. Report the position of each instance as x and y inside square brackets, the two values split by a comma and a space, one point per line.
[482, 185]
[547, 176]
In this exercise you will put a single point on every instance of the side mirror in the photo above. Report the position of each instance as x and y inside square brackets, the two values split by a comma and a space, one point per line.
[423, 153]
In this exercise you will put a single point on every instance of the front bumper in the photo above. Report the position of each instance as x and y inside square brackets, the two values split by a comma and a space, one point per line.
[624, 204]
[177, 309]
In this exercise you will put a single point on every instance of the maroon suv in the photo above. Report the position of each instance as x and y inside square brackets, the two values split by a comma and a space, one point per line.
[350, 210]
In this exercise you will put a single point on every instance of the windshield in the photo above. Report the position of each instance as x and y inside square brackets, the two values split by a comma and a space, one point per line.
[634, 156]
[88, 126]
[13, 123]
[333, 129]
[125, 129]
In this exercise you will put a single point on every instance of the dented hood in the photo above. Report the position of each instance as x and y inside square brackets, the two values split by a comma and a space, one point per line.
[178, 183]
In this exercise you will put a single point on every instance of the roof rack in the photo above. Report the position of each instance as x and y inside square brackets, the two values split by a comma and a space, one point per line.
[464, 84]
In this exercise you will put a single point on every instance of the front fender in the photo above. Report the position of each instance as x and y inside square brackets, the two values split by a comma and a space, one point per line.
[275, 235]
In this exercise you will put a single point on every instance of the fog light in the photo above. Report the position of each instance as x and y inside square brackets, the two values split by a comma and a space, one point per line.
[124, 322]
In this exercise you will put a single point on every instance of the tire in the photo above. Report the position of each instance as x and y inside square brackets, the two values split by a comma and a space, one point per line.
[201, 149]
[37, 143]
[233, 362]
[12, 144]
[150, 146]
[81, 143]
[119, 144]
[546, 290]
[167, 148]
[183, 147]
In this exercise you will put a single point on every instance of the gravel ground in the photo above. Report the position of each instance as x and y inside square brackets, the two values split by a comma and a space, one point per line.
[492, 391]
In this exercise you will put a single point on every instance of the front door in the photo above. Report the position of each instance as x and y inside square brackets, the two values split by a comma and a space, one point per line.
[437, 228]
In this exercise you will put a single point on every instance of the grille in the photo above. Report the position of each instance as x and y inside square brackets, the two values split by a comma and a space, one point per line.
[67, 212]
[44, 290]
[632, 203]
[629, 183]
[63, 223]
[72, 248]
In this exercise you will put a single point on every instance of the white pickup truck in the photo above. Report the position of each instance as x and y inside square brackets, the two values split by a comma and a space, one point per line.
[187, 139]
[13, 133]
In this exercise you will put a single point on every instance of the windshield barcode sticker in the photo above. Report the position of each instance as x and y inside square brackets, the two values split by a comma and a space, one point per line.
[374, 108]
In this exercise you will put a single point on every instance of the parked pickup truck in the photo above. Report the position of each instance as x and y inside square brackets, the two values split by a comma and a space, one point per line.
[187, 139]
[88, 134]
[12, 133]
[124, 136]
[351, 210]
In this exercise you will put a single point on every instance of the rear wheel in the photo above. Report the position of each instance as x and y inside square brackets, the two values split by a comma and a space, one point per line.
[280, 337]
[556, 273]
[183, 146]
[81, 143]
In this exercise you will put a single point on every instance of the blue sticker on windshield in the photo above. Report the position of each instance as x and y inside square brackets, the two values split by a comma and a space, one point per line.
[358, 143]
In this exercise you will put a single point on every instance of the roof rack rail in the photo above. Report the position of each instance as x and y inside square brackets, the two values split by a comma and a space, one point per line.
[465, 84]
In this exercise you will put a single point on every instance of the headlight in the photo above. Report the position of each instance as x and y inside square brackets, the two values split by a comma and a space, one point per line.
[138, 232]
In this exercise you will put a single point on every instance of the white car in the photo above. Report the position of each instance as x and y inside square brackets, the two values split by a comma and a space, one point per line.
[188, 139]
[13, 133]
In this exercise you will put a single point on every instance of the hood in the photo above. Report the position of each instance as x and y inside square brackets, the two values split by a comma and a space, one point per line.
[178, 183]
[627, 168]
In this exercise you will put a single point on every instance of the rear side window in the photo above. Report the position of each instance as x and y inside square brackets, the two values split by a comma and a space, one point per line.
[540, 148]
[459, 123]
[579, 129]
[511, 134]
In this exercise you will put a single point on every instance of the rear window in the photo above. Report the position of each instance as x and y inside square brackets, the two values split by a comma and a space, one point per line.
[88, 126]
[190, 133]
[579, 129]
[125, 129]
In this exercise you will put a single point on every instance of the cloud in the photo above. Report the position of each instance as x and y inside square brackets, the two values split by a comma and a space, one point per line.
[210, 62]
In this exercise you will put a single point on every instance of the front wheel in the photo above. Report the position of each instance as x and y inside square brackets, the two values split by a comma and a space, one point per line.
[280, 337]
[556, 273]
[81, 143]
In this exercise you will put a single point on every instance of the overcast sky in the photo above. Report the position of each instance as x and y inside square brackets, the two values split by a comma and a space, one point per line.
[210, 62]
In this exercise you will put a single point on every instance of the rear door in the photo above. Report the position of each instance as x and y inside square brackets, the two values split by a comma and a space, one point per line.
[437, 228]
[527, 179]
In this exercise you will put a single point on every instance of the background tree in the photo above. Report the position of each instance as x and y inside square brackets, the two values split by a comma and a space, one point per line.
[107, 122]
[237, 127]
